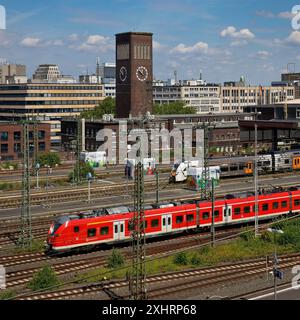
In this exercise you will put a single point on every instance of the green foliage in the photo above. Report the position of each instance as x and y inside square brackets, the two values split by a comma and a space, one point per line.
[107, 106]
[9, 165]
[7, 294]
[84, 169]
[181, 258]
[49, 159]
[116, 260]
[177, 107]
[195, 260]
[43, 279]
[247, 234]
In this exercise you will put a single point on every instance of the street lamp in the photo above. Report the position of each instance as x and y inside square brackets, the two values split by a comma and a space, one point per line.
[89, 178]
[37, 168]
[276, 272]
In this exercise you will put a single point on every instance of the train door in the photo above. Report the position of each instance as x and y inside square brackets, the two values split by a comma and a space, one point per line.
[227, 214]
[166, 223]
[119, 230]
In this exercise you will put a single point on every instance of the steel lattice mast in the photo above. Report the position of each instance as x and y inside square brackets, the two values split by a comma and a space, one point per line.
[138, 278]
[25, 239]
[35, 146]
[78, 151]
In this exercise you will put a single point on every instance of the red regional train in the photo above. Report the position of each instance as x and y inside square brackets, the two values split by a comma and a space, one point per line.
[114, 225]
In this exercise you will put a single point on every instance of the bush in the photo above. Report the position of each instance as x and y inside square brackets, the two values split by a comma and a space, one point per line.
[49, 159]
[181, 259]
[84, 169]
[195, 260]
[116, 260]
[43, 279]
[247, 234]
[7, 294]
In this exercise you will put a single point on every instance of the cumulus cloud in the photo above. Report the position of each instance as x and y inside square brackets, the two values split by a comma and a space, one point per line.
[238, 34]
[31, 42]
[294, 38]
[200, 47]
[94, 43]
[263, 54]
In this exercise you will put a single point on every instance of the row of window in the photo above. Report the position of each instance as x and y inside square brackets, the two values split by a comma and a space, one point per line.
[4, 135]
[265, 206]
[54, 87]
[48, 102]
[17, 147]
[24, 95]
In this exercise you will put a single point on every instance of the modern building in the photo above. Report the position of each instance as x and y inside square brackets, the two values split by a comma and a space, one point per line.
[48, 102]
[11, 135]
[12, 73]
[204, 98]
[50, 73]
[107, 71]
[235, 98]
[89, 78]
[231, 97]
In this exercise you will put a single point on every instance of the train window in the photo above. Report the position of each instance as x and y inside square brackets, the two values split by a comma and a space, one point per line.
[154, 223]
[164, 221]
[297, 202]
[91, 232]
[265, 207]
[122, 227]
[286, 161]
[283, 204]
[275, 205]
[104, 231]
[189, 217]
[179, 219]
[237, 211]
[76, 229]
[205, 215]
[247, 209]
[216, 213]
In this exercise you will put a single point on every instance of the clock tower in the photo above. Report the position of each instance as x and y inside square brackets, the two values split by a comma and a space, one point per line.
[133, 74]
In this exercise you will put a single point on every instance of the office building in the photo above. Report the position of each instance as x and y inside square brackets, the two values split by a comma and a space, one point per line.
[49, 102]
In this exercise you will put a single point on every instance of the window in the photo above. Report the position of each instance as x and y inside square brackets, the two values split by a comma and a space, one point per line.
[297, 202]
[17, 135]
[189, 217]
[154, 223]
[179, 219]
[237, 211]
[247, 209]
[284, 204]
[265, 207]
[41, 134]
[205, 215]
[104, 231]
[42, 146]
[76, 229]
[91, 232]
[4, 136]
[216, 213]
[17, 147]
[4, 148]
[275, 205]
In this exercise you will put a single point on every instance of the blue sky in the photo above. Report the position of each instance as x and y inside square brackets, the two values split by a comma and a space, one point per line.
[224, 39]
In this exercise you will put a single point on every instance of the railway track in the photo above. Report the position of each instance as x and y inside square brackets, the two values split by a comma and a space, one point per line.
[167, 284]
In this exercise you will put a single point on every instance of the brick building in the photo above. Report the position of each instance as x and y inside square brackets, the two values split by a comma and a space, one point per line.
[11, 139]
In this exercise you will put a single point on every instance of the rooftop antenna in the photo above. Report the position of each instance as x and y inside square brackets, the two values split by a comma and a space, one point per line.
[293, 64]
[98, 67]
[175, 75]
[200, 76]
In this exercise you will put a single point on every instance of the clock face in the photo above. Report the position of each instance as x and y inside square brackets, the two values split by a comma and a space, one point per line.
[142, 73]
[123, 73]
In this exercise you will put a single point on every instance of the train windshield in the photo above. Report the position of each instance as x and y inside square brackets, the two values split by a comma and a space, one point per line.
[57, 223]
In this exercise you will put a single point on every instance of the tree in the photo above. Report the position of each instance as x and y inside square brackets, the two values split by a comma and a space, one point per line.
[116, 259]
[49, 159]
[43, 279]
[107, 106]
[84, 169]
[177, 107]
